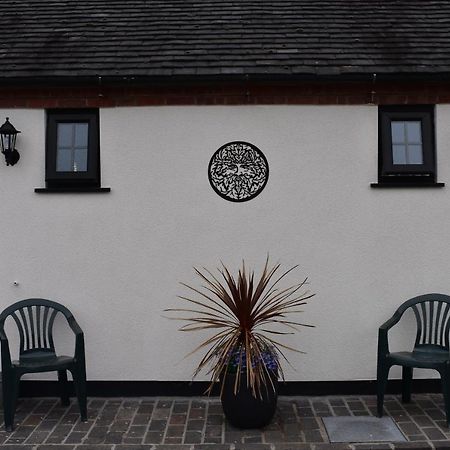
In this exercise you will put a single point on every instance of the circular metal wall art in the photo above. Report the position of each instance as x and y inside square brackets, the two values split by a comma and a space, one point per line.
[238, 171]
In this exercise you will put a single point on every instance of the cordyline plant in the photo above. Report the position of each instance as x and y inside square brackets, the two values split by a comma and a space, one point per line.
[242, 311]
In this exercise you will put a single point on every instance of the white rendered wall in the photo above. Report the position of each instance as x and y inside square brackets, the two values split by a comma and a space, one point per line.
[116, 259]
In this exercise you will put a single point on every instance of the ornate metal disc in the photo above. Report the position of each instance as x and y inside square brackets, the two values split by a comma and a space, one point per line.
[238, 171]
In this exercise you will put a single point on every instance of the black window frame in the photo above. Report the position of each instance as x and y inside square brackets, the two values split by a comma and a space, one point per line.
[406, 174]
[74, 180]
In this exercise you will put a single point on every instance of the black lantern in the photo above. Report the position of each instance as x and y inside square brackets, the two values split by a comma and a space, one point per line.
[8, 136]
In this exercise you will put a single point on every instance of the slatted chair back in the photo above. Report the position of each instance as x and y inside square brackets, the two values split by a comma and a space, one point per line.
[432, 313]
[34, 319]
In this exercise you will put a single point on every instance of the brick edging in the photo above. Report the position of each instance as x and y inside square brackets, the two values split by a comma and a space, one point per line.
[236, 93]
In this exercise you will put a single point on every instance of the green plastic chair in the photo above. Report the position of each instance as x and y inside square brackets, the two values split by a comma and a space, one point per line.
[34, 318]
[431, 347]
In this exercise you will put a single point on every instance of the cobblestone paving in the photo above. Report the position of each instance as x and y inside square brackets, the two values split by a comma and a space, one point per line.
[198, 424]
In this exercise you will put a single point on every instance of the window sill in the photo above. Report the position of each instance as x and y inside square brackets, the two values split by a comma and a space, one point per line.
[65, 190]
[406, 185]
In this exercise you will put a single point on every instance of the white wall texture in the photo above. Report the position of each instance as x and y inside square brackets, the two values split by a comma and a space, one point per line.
[116, 259]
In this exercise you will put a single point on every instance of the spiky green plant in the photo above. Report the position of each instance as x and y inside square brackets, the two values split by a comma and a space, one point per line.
[243, 312]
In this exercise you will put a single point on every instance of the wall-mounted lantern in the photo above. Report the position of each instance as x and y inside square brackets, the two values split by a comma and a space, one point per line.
[8, 136]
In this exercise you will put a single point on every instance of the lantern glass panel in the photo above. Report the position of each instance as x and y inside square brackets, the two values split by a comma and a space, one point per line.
[7, 142]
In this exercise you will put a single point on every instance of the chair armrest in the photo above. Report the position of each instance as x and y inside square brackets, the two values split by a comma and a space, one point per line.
[383, 343]
[391, 322]
[74, 326]
[6, 356]
[79, 337]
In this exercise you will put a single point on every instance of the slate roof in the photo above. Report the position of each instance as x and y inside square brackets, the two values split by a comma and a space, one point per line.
[147, 38]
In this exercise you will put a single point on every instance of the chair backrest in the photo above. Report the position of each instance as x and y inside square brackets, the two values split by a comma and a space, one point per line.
[432, 313]
[34, 318]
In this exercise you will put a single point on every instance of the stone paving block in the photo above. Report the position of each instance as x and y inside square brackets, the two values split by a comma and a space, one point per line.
[120, 425]
[157, 425]
[233, 437]
[252, 439]
[70, 419]
[97, 435]
[22, 432]
[83, 426]
[133, 447]
[180, 407]
[113, 437]
[59, 434]
[434, 434]
[193, 437]
[136, 431]
[287, 446]
[197, 413]
[422, 420]
[292, 428]
[16, 447]
[313, 436]
[436, 414]
[44, 407]
[215, 408]
[132, 441]
[195, 425]
[171, 447]
[356, 405]
[161, 413]
[331, 447]
[211, 447]
[273, 436]
[337, 402]
[175, 431]
[56, 447]
[145, 408]
[215, 419]
[417, 437]
[321, 407]
[47, 425]
[340, 411]
[201, 404]
[409, 428]
[361, 429]
[94, 447]
[164, 403]
[37, 437]
[412, 446]
[173, 440]
[305, 412]
[33, 419]
[309, 423]
[75, 437]
[372, 446]
[252, 447]
[153, 437]
[141, 419]
[178, 419]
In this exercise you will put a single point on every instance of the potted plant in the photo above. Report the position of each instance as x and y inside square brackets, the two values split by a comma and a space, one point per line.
[247, 316]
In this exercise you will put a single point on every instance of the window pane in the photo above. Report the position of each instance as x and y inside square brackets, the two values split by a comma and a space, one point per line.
[398, 132]
[80, 160]
[64, 160]
[399, 154]
[81, 135]
[65, 134]
[415, 154]
[72, 147]
[413, 132]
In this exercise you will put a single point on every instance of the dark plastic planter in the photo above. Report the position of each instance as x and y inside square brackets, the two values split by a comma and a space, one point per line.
[245, 411]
